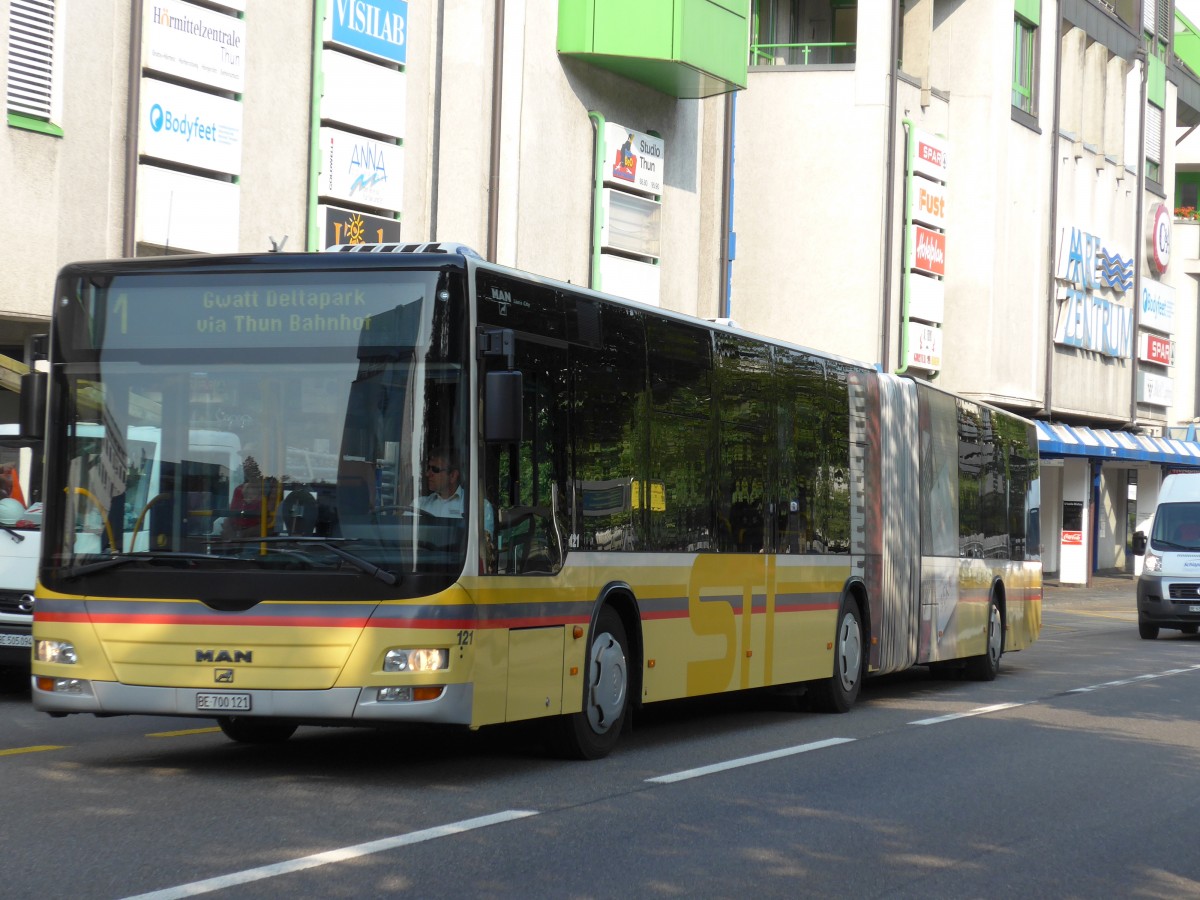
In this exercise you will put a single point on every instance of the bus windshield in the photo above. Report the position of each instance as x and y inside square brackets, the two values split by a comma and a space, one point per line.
[246, 422]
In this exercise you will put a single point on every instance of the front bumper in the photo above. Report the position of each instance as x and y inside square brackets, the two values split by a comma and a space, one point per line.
[354, 706]
[1168, 601]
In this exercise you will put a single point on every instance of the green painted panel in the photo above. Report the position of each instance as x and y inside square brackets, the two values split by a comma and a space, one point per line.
[685, 48]
[1187, 48]
[705, 38]
[1156, 82]
[1030, 11]
[634, 28]
[574, 26]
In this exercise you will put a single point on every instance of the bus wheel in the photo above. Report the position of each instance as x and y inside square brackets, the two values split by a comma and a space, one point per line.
[837, 693]
[985, 666]
[592, 733]
[247, 730]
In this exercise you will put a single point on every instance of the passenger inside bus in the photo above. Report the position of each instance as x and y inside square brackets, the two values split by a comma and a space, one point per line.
[253, 509]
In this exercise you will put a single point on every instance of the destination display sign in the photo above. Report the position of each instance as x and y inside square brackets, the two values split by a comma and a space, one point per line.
[314, 309]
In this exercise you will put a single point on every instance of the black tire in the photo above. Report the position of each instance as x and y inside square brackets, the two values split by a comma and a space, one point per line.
[1189, 629]
[838, 692]
[249, 730]
[986, 666]
[1146, 630]
[594, 732]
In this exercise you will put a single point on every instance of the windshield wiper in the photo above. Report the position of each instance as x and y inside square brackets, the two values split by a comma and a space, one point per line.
[324, 543]
[159, 556]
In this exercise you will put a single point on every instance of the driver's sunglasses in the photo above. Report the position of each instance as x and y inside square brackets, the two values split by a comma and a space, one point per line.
[436, 470]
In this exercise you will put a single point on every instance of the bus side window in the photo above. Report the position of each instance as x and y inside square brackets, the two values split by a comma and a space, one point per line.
[529, 475]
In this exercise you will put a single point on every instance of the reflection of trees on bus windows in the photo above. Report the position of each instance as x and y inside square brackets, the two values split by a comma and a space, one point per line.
[742, 379]
[681, 435]
[609, 416]
[800, 386]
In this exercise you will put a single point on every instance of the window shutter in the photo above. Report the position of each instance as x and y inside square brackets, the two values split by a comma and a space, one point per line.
[30, 57]
[1148, 7]
[1154, 126]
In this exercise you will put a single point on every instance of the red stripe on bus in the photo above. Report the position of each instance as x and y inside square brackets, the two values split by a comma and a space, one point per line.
[113, 619]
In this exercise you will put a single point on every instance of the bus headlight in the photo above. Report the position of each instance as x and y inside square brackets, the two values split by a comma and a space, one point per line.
[56, 652]
[415, 660]
[1151, 562]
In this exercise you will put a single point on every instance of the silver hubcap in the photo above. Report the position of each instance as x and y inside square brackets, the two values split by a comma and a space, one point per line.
[607, 683]
[849, 652]
[995, 637]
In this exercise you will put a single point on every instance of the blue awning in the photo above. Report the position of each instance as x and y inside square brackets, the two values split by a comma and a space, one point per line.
[1055, 441]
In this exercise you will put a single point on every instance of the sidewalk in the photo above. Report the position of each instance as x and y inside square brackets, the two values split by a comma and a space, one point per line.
[1106, 592]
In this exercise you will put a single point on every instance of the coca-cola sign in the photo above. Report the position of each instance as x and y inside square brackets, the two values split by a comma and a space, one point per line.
[929, 250]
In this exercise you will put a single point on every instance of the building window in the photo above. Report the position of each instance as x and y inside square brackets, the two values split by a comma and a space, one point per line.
[1024, 66]
[34, 91]
[804, 32]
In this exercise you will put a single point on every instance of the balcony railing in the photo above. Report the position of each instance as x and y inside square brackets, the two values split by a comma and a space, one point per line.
[813, 53]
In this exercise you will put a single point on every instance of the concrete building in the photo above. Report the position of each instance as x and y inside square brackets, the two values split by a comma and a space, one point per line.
[1032, 267]
[975, 192]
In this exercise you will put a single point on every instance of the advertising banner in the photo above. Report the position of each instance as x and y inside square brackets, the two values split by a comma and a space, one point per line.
[1157, 306]
[362, 95]
[1155, 390]
[348, 226]
[633, 160]
[186, 212]
[924, 346]
[930, 154]
[375, 27]
[358, 169]
[194, 43]
[927, 251]
[190, 127]
[1155, 349]
[929, 203]
[926, 298]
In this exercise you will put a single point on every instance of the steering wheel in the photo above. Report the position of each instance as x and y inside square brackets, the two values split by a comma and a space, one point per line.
[298, 512]
[393, 508]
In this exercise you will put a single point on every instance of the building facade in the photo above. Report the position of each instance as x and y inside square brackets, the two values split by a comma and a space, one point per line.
[978, 193]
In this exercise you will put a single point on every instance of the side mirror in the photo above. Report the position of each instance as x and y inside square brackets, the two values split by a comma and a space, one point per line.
[31, 410]
[502, 414]
[1139, 543]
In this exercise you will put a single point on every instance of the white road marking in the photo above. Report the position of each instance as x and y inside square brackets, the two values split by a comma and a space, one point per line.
[982, 710]
[1134, 679]
[246, 876]
[747, 761]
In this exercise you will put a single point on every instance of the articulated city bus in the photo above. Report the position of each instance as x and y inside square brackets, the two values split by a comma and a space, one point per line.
[450, 492]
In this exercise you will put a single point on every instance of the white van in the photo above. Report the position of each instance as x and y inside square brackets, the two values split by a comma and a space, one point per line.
[20, 546]
[1168, 590]
[20, 526]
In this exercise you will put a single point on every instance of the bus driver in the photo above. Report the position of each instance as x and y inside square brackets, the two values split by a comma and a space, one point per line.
[445, 497]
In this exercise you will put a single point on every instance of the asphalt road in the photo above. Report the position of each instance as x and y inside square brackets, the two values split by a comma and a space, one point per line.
[1074, 774]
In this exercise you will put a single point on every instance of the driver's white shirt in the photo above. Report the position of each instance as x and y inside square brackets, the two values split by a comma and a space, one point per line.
[444, 507]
